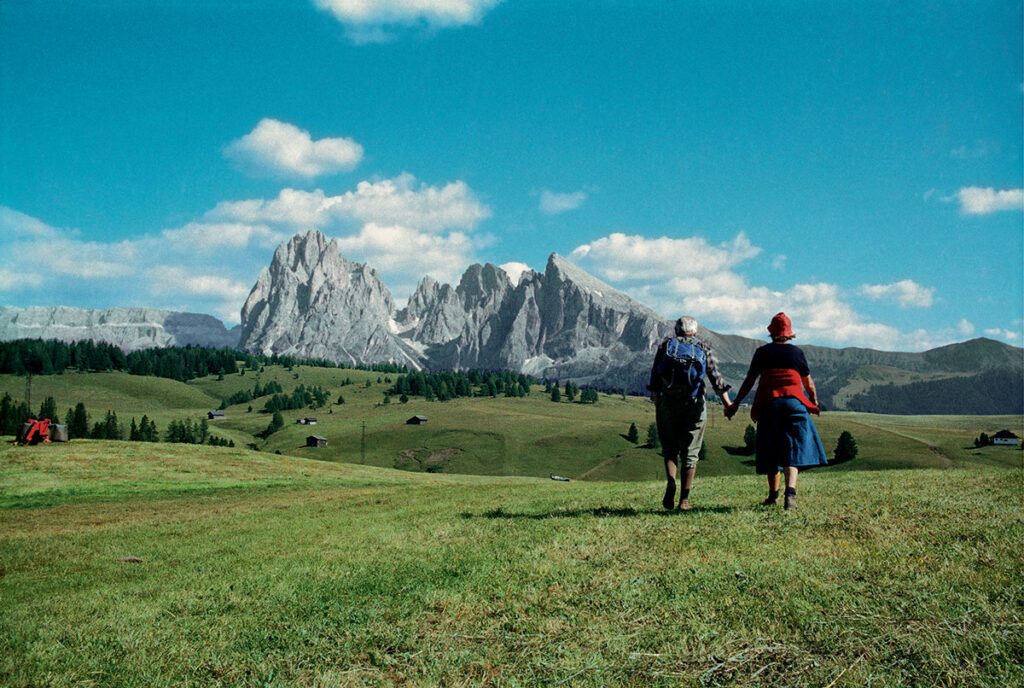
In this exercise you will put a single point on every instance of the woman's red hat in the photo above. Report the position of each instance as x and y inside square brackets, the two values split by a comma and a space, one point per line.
[780, 326]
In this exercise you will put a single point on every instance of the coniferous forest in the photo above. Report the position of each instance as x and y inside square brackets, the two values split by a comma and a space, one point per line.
[40, 357]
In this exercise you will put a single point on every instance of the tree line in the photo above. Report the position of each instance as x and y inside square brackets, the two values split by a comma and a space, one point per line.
[244, 395]
[587, 395]
[989, 393]
[40, 357]
[450, 384]
[314, 396]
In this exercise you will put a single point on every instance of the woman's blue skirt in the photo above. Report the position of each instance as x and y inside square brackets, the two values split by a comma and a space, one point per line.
[786, 436]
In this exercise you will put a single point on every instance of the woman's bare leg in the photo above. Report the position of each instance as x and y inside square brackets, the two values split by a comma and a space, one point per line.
[773, 489]
[791, 473]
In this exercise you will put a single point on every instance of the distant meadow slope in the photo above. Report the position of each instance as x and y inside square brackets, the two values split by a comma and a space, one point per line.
[529, 436]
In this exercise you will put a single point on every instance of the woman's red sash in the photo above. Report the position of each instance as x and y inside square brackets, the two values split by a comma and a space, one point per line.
[779, 382]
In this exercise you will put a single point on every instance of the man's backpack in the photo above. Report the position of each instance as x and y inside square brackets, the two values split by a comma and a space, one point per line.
[682, 369]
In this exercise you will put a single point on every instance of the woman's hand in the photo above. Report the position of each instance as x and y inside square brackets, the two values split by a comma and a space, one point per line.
[731, 409]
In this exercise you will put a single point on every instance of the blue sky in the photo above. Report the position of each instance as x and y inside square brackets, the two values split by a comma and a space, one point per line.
[859, 165]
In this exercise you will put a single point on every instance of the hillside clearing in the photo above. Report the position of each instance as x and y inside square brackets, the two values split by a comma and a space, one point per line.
[529, 436]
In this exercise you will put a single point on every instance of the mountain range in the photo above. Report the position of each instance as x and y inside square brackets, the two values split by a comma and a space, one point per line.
[561, 324]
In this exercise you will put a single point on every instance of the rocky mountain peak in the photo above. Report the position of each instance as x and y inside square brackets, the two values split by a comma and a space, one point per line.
[313, 302]
[483, 284]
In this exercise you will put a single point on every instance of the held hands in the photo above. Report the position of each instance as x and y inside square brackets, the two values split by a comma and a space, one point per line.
[730, 409]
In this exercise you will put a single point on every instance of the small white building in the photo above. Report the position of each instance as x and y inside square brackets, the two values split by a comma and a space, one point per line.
[1005, 437]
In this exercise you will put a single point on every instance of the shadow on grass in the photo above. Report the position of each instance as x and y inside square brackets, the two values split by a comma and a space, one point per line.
[599, 512]
[738, 451]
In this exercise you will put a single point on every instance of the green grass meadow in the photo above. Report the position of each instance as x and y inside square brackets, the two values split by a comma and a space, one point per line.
[135, 564]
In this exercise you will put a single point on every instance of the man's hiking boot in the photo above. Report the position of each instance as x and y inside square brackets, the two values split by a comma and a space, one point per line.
[670, 494]
[790, 502]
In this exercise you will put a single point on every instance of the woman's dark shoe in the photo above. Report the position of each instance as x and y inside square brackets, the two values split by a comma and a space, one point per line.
[669, 500]
[770, 501]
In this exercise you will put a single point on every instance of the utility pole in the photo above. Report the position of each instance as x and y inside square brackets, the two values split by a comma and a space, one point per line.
[28, 393]
[362, 443]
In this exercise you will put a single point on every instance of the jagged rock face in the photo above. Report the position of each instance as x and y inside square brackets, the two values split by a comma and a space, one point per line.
[128, 328]
[563, 323]
[313, 303]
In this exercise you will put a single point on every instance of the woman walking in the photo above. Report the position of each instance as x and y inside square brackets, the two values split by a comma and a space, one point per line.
[786, 437]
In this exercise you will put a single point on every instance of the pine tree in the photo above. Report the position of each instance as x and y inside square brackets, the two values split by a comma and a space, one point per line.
[79, 425]
[652, 436]
[846, 448]
[8, 424]
[556, 395]
[633, 435]
[133, 431]
[750, 438]
[48, 409]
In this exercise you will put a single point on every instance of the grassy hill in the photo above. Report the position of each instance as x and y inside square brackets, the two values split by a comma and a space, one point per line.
[529, 436]
[130, 564]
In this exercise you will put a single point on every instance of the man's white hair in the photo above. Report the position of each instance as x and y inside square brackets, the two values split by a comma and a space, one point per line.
[686, 325]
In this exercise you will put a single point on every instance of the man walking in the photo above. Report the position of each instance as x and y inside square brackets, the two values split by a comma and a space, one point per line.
[677, 389]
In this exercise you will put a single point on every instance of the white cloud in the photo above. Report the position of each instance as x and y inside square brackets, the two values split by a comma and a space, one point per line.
[907, 293]
[514, 270]
[403, 228]
[399, 251]
[620, 257]
[282, 149]
[975, 151]
[123, 273]
[22, 226]
[384, 12]
[18, 279]
[1008, 335]
[552, 203]
[965, 327]
[186, 282]
[387, 202]
[975, 200]
[216, 236]
[693, 276]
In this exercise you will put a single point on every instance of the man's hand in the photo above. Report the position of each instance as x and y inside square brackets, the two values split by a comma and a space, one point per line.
[654, 397]
[730, 410]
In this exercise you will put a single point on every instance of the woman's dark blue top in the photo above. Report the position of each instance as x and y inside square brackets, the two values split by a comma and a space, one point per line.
[773, 355]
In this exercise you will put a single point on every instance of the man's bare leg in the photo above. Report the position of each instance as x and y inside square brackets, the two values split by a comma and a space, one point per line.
[684, 496]
[671, 467]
